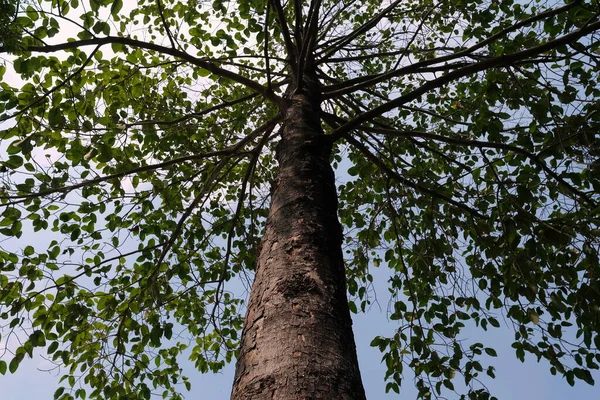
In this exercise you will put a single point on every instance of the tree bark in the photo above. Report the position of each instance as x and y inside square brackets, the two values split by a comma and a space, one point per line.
[297, 341]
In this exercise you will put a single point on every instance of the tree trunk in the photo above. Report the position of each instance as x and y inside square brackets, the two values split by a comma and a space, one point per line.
[297, 341]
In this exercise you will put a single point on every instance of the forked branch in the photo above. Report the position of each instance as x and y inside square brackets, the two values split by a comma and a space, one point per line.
[199, 62]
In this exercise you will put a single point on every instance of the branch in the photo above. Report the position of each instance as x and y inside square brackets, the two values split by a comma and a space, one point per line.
[328, 52]
[207, 187]
[280, 16]
[236, 217]
[85, 270]
[399, 178]
[414, 37]
[266, 45]
[328, 22]
[521, 24]
[298, 33]
[54, 89]
[358, 107]
[162, 18]
[66, 189]
[310, 36]
[500, 61]
[202, 113]
[208, 65]
[489, 145]
[407, 182]
[435, 115]
[366, 81]
[387, 54]
[366, 56]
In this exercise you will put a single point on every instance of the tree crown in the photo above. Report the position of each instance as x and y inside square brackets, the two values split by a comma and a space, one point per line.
[143, 139]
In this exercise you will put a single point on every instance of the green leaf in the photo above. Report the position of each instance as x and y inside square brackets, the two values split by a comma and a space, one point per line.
[95, 6]
[448, 384]
[116, 6]
[352, 306]
[464, 166]
[53, 347]
[494, 322]
[55, 117]
[59, 392]
[14, 363]
[533, 316]
[490, 352]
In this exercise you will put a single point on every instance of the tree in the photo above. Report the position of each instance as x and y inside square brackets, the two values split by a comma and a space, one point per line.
[10, 32]
[141, 145]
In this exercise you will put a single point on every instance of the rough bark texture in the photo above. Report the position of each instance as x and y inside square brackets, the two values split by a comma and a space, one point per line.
[297, 341]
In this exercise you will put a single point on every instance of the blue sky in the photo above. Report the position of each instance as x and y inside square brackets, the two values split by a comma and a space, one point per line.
[514, 380]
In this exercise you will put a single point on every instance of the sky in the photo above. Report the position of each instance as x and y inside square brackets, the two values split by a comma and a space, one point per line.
[514, 380]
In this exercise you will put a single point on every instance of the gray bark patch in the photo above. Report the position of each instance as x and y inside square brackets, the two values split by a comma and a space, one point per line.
[297, 285]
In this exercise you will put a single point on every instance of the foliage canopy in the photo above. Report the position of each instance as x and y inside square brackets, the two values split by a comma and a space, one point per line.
[139, 147]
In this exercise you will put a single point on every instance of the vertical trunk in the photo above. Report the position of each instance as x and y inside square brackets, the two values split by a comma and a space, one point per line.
[297, 341]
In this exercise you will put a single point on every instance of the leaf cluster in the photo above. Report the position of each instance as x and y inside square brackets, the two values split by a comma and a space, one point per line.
[139, 144]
